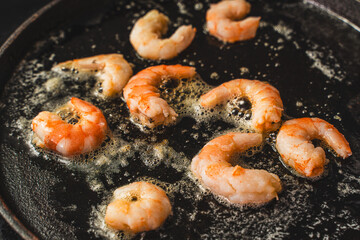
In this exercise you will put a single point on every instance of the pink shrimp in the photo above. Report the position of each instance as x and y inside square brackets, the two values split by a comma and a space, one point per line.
[237, 184]
[112, 70]
[143, 97]
[294, 144]
[220, 21]
[138, 207]
[266, 103]
[70, 139]
[146, 33]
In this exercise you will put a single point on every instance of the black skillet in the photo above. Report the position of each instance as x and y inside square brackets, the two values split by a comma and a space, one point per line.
[311, 56]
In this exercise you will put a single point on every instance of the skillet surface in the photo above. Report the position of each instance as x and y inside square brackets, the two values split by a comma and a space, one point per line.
[310, 56]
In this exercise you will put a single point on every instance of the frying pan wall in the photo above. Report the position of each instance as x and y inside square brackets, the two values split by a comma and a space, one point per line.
[296, 50]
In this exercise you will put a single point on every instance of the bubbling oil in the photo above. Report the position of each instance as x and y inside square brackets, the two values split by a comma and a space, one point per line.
[112, 164]
[163, 158]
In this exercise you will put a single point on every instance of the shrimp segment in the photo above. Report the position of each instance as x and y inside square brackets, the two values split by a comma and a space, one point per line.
[220, 21]
[67, 139]
[138, 207]
[266, 103]
[237, 184]
[143, 96]
[146, 33]
[112, 70]
[294, 144]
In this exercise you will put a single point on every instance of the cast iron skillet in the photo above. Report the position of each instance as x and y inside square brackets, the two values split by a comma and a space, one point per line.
[308, 54]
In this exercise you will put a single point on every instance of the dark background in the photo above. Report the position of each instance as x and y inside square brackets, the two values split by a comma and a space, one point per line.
[12, 14]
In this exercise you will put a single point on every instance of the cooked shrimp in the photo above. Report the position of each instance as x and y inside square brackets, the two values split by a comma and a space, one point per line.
[146, 33]
[220, 21]
[138, 207]
[143, 96]
[70, 139]
[112, 70]
[266, 103]
[294, 144]
[237, 184]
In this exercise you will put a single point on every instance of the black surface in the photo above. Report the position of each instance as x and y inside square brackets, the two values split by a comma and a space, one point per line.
[12, 14]
[289, 97]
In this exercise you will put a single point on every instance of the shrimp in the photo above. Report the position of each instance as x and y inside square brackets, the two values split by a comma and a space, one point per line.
[143, 96]
[112, 70]
[237, 184]
[70, 139]
[294, 144]
[138, 207]
[220, 21]
[146, 33]
[266, 103]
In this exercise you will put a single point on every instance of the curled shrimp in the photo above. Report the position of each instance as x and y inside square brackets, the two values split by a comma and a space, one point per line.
[220, 21]
[138, 207]
[146, 33]
[112, 70]
[143, 96]
[266, 103]
[237, 184]
[88, 133]
[294, 144]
